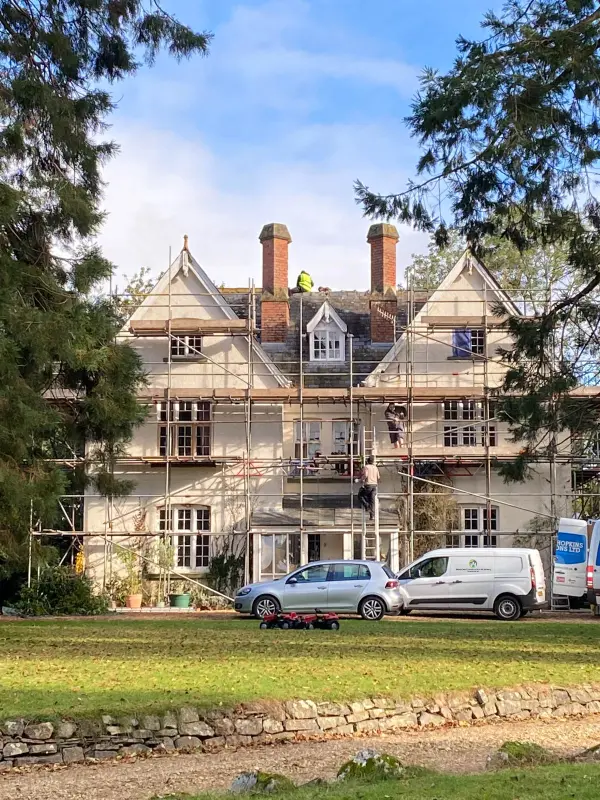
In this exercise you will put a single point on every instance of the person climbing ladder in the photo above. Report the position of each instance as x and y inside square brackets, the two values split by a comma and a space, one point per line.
[368, 491]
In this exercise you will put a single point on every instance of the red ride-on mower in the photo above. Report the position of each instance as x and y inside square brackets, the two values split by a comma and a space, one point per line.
[283, 621]
[324, 620]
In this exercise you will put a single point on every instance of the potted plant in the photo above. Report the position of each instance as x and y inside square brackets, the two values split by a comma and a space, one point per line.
[133, 579]
[165, 559]
[178, 597]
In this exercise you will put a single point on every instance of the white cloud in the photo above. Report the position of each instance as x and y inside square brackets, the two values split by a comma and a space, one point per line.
[162, 186]
[267, 157]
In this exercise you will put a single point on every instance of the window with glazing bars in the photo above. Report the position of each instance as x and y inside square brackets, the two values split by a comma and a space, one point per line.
[450, 436]
[192, 548]
[186, 346]
[193, 439]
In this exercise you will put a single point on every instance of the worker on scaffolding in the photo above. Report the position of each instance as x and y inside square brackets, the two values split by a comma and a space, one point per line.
[368, 491]
[304, 284]
[395, 416]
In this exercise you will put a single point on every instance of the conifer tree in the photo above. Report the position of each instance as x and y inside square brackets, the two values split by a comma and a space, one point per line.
[64, 381]
[510, 140]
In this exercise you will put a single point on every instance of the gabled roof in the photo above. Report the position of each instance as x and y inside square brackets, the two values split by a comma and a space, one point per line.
[326, 313]
[186, 263]
[469, 261]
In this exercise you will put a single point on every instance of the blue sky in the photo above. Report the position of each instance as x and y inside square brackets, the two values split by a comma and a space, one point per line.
[296, 99]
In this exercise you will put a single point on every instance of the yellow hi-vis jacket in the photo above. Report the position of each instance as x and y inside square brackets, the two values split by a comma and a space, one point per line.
[304, 282]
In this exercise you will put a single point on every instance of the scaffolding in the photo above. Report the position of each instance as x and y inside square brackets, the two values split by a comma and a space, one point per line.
[451, 435]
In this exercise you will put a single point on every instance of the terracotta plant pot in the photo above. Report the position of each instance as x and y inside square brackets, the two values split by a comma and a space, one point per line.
[134, 601]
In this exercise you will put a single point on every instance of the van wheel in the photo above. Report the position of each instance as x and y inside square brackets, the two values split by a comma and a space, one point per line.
[372, 609]
[507, 608]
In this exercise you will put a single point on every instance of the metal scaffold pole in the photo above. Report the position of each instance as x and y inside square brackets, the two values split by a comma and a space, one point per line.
[486, 425]
[167, 531]
[410, 418]
[301, 437]
[351, 426]
[248, 421]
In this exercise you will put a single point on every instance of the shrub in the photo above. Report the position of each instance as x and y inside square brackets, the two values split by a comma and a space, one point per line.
[60, 591]
[520, 754]
[226, 570]
[371, 765]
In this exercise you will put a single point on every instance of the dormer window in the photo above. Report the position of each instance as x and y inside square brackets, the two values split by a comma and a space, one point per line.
[327, 335]
[327, 345]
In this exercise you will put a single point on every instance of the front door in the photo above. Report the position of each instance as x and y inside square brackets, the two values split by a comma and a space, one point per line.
[427, 584]
[307, 589]
[347, 583]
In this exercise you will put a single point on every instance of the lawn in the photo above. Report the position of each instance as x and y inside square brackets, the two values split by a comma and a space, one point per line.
[81, 668]
[556, 782]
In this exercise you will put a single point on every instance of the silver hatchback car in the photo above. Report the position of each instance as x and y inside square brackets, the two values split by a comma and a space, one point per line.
[368, 588]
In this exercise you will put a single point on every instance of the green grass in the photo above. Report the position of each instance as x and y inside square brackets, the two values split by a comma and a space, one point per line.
[555, 783]
[82, 668]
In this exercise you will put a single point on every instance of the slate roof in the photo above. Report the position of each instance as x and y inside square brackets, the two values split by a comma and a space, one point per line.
[354, 308]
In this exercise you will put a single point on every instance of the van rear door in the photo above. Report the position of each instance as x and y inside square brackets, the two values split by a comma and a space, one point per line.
[593, 566]
[538, 573]
[570, 559]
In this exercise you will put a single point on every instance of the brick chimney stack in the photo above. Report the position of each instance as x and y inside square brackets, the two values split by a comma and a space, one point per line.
[383, 239]
[275, 311]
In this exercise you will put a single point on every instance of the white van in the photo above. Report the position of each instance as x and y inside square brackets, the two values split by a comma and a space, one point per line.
[574, 560]
[593, 567]
[508, 581]
[577, 561]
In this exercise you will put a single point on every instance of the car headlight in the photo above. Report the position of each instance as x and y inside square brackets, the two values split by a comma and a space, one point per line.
[245, 590]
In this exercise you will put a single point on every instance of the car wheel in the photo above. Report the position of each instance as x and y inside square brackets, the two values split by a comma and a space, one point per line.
[507, 608]
[372, 609]
[265, 605]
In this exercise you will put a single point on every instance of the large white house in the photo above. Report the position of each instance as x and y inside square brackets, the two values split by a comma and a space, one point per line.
[263, 406]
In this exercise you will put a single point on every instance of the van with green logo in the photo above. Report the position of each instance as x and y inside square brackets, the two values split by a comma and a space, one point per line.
[508, 581]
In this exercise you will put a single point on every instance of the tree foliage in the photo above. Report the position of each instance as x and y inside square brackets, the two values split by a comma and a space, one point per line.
[532, 278]
[138, 288]
[64, 381]
[435, 514]
[510, 140]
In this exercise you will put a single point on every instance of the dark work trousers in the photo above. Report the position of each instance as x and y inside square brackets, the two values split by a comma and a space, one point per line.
[395, 429]
[366, 497]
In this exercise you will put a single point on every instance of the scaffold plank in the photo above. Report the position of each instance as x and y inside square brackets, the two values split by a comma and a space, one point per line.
[380, 394]
[470, 321]
[181, 325]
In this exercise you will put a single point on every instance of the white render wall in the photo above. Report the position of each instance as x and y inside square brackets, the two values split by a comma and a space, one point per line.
[220, 486]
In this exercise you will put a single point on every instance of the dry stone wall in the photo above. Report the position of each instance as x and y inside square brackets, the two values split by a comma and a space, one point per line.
[267, 722]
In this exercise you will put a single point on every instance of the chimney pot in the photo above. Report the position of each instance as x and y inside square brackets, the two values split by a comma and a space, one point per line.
[275, 230]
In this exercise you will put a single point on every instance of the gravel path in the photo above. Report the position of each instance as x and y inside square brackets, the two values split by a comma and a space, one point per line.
[454, 750]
